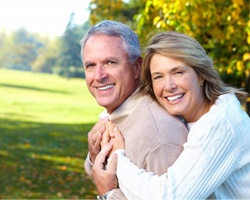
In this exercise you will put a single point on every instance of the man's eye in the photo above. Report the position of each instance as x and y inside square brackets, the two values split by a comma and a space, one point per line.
[111, 62]
[89, 66]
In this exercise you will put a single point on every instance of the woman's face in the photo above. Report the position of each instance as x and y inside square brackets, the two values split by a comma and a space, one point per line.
[177, 87]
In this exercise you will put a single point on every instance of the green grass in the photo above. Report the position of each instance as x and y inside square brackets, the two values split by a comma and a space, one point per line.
[44, 121]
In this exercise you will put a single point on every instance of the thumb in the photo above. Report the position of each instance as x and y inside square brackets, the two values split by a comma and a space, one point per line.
[112, 163]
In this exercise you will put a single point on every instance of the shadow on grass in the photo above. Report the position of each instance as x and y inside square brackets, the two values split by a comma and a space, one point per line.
[44, 161]
[31, 88]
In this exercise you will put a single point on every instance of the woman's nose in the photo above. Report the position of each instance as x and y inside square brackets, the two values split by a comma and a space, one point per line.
[169, 84]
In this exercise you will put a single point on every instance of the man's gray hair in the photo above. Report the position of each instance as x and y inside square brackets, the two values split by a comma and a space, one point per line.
[116, 29]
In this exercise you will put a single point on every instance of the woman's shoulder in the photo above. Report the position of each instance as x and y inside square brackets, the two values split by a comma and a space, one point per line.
[226, 115]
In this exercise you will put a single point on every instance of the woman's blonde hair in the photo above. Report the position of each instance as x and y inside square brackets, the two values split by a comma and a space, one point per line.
[186, 49]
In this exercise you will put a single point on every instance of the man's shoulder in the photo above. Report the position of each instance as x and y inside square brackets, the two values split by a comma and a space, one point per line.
[150, 110]
[154, 107]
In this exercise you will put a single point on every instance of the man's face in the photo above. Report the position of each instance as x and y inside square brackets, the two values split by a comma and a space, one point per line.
[110, 76]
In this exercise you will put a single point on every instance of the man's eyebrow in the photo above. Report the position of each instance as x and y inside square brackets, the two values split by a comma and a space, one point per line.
[88, 62]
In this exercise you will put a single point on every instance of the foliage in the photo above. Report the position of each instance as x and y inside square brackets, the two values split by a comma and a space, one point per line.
[24, 48]
[43, 136]
[222, 27]
[70, 49]
[117, 10]
[47, 59]
[27, 51]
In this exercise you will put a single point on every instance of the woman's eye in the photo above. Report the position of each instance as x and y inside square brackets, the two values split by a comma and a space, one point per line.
[156, 77]
[178, 72]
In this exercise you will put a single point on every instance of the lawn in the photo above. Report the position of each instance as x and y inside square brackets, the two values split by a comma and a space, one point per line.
[44, 121]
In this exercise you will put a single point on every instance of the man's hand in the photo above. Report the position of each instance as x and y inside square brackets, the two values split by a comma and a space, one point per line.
[95, 137]
[105, 176]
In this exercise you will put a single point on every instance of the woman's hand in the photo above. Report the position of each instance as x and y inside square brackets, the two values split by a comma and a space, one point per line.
[106, 134]
[117, 139]
[114, 136]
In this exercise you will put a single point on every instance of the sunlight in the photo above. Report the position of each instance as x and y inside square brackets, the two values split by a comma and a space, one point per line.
[41, 16]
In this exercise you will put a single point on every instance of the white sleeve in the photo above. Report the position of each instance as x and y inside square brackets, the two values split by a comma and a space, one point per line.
[135, 176]
[207, 160]
[88, 166]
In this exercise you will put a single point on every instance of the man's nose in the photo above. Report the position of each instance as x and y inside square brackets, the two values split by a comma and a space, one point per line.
[100, 73]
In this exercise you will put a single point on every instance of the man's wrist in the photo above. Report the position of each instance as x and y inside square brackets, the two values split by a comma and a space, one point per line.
[104, 196]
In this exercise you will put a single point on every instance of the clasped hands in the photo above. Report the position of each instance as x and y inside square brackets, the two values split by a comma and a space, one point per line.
[104, 138]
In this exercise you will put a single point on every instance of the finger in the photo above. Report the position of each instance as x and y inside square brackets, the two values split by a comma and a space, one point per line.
[110, 126]
[93, 134]
[116, 133]
[94, 145]
[111, 129]
[118, 140]
[99, 124]
[105, 137]
[99, 136]
[112, 163]
[101, 157]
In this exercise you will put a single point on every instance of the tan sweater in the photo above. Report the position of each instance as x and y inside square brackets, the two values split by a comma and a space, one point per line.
[153, 138]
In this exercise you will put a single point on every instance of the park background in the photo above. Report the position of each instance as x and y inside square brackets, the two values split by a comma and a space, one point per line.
[46, 110]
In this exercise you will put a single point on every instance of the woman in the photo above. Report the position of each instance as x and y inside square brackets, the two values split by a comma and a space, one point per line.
[215, 162]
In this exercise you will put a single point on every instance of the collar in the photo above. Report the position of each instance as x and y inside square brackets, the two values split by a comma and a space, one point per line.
[125, 109]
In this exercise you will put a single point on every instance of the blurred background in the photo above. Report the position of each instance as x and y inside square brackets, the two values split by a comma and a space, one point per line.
[46, 110]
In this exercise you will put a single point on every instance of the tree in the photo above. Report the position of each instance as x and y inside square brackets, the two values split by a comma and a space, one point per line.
[19, 50]
[47, 60]
[221, 26]
[70, 50]
[117, 10]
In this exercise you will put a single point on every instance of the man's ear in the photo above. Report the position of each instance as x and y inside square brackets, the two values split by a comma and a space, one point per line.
[138, 64]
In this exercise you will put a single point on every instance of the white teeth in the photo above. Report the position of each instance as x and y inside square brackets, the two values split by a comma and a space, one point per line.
[105, 87]
[175, 97]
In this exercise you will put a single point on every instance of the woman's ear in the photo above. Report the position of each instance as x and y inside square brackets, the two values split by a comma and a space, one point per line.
[201, 81]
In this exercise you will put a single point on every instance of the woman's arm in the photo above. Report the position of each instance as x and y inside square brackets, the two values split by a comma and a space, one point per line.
[207, 160]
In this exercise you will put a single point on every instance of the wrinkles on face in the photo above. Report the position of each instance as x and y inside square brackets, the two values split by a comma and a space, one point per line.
[110, 76]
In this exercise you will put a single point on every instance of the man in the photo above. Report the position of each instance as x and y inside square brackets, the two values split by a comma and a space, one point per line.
[111, 58]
